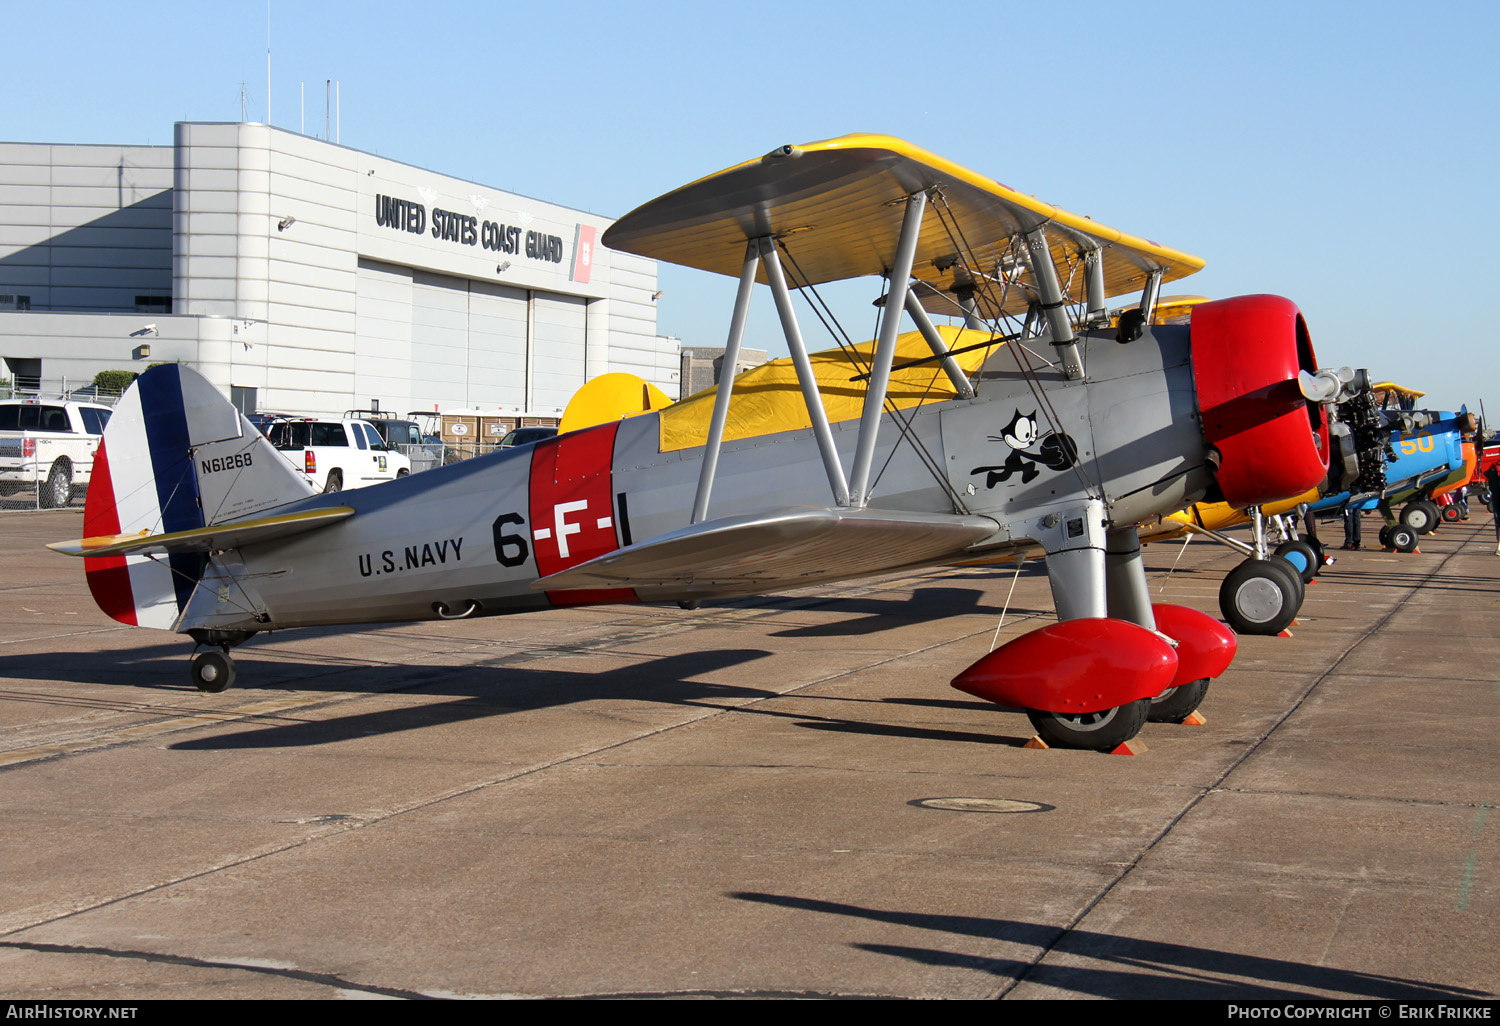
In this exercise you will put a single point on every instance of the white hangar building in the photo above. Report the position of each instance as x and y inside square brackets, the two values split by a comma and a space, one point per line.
[304, 276]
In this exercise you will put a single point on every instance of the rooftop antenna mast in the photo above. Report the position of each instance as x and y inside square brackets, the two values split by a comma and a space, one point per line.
[268, 63]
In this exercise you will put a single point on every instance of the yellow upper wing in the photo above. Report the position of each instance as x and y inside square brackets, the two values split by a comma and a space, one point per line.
[836, 207]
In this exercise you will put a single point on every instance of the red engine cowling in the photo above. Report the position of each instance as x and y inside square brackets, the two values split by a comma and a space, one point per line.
[1273, 443]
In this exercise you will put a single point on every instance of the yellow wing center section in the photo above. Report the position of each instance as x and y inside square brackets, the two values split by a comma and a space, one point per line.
[768, 399]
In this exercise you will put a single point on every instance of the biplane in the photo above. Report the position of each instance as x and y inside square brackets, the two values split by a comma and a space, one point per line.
[1428, 451]
[1026, 423]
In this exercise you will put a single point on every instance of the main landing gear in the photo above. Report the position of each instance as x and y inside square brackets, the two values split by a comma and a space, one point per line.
[1113, 661]
[213, 672]
[1261, 596]
[1101, 731]
[1264, 593]
[1399, 537]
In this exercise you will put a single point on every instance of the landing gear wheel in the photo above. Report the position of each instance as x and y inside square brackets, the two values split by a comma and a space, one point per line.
[335, 482]
[57, 491]
[1403, 538]
[1100, 731]
[1421, 516]
[1320, 551]
[213, 672]
[1452, 514]
[1261, 596]
[1302, 558]
[1385, 537]
[1176, 704]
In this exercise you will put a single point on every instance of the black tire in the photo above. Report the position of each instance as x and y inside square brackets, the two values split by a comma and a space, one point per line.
[1302, 558]
[1451, 514]
[1403, 538]
[1099, 732]
[402, 473]
[57, 491]
[1320, 550]
[1261, 596]
[1420, 515]
[335, 482]
[212, 672]
[1176, 704]
[1385, 536]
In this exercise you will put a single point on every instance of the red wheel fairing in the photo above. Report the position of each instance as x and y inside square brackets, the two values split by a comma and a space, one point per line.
[1205, 647]
[1074, 667]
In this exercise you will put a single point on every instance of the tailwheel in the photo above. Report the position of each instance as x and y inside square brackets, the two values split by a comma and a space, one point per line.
[1176, 704]
[213, 672]
[1261, 596]
[1100, 731]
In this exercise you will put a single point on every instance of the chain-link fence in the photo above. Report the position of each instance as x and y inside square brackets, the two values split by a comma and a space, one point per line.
[48, 487]
[53, 492]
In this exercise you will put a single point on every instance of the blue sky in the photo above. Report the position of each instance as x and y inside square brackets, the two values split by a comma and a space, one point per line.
[1343, 155]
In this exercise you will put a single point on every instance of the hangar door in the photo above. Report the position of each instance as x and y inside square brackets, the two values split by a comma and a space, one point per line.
[457, 342]
[559, 333]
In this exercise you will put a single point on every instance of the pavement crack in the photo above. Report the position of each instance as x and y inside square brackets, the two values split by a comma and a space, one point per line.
[331, 980]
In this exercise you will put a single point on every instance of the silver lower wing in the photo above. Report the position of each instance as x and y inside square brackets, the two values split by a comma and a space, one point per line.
[756, 552]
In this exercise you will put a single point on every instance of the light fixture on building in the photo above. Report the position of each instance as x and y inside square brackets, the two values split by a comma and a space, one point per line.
[502, 268]
[141, 352]
[285, 223]
[656, 295]
[149, 329]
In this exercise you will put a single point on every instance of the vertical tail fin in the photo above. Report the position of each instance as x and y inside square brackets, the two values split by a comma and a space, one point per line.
[175, 456]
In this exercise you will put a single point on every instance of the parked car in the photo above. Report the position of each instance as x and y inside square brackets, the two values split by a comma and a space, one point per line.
[335, 454]
[405, 436]
[49, 445]
[526, 436]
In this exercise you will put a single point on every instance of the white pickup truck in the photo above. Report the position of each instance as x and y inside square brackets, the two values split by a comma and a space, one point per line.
[49, 445]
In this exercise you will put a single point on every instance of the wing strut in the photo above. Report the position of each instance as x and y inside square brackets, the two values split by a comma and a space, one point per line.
[885, 351]
[726, 382]
[1054, 305]
[852, 491]
[1149, 295]
[805, 376]
[956, 376]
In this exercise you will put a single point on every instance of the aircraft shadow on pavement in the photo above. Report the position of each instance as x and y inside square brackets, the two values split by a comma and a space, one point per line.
[492, 692]
[870, 615]
[1146, 969]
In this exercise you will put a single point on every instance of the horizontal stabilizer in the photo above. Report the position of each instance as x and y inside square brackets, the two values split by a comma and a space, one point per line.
[783, 548]
[214, 538]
